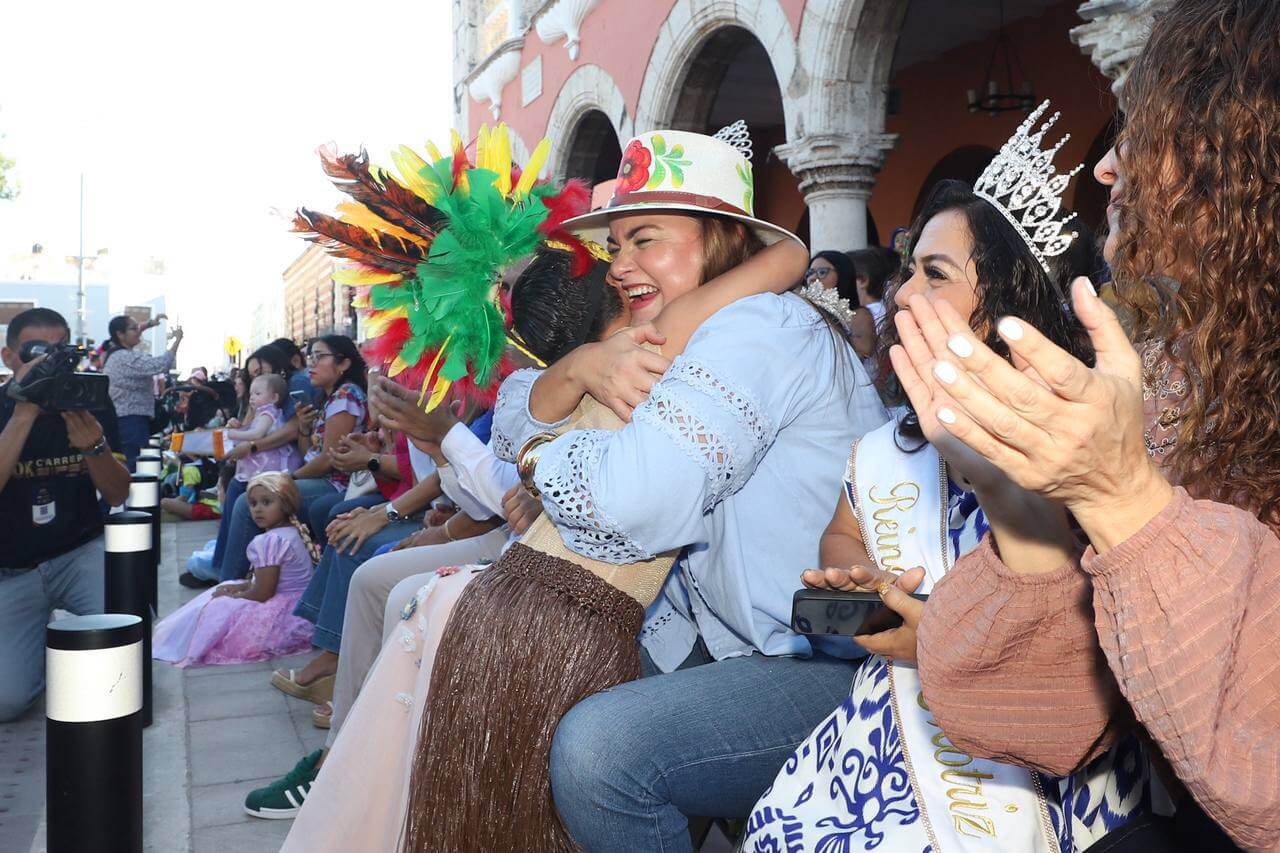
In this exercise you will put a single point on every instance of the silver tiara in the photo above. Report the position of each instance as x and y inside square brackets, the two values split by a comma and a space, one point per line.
[737, 135]
[1023, 185]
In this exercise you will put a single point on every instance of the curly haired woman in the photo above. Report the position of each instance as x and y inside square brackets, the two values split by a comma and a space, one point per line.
[1168, 458]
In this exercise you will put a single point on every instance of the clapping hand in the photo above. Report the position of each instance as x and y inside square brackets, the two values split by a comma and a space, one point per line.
[1057, 427]
[395, 407]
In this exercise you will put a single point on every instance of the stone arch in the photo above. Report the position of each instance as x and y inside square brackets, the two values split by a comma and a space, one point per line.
[588, 88]
[593, 151]
[688, 27]
[849, 47]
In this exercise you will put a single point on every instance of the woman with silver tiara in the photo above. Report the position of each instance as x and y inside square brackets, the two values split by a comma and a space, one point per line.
[879, 769]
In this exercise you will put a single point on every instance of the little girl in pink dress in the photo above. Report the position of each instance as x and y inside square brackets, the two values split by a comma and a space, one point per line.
[250, 620]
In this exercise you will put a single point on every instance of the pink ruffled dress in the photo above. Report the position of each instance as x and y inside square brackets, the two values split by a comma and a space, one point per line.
[275, 459]
[207, 630]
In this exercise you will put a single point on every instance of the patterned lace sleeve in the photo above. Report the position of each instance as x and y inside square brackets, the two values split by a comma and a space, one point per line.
[567, 477]
[678, 406]
[513, 425]
[698, 436]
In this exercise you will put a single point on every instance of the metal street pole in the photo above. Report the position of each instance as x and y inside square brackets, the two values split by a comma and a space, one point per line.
[81, 312]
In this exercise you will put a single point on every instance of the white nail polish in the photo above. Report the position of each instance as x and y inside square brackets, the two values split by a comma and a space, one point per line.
[1010, 329]
[1089, 285]
[946, 415]
[960, 345]
[945, 371]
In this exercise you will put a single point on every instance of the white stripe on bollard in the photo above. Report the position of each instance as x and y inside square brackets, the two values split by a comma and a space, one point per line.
[145, 494]
[90, 685]
[128, 538]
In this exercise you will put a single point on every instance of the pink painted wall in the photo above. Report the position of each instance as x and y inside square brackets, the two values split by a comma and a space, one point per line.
[618, 36]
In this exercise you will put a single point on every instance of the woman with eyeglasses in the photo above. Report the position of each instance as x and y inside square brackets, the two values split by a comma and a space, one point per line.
[131, 371]
[336, 370]
[834, 271]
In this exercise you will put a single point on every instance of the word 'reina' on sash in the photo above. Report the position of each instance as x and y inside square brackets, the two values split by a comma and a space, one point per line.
[966, 803]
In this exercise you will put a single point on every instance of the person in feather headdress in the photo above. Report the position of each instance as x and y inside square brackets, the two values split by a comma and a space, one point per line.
[546, 626]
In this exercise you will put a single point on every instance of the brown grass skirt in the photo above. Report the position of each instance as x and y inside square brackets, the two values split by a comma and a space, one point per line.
[528, 639]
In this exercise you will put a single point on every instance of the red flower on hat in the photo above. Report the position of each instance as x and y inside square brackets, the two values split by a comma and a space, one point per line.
[634, 172]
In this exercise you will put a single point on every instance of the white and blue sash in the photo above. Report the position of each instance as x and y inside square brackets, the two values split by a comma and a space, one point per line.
[877, 773]
[966, 803]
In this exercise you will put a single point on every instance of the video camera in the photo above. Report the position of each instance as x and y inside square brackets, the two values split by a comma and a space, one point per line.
[54, 384]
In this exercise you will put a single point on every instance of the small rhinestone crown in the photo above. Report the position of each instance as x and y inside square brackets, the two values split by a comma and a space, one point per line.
[1023, 185]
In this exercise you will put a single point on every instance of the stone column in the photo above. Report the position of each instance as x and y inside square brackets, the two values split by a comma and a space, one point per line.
[1114, 33]
[836, 174]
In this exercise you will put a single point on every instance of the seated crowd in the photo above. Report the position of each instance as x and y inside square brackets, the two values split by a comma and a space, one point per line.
[562, 619]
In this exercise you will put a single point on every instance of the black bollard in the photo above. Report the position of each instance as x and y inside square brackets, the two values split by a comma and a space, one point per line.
[149, 462]
[93, 736]
[128, 583]
[144, 496]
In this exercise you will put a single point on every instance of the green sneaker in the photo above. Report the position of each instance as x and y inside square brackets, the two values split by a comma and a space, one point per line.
[283, 798]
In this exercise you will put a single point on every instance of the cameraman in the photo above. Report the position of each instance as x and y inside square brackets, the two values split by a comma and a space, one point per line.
[52, 467]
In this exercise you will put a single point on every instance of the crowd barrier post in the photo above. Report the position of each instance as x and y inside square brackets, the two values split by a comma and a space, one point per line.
[149, 462]
[127, 572]
[144, 496]
[93, 734]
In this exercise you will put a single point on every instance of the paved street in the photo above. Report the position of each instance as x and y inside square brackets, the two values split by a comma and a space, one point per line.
[218, 732]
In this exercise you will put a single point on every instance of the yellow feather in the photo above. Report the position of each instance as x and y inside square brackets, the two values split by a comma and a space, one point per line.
[482, 147]
[434, 153]
[357, 214]
[500, 142]
[432, 369]
[410, 166]
[357, 276]
[531, 169]
[377, 323]
[397, 366]
[437, 394]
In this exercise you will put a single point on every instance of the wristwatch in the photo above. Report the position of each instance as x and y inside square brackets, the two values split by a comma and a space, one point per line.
[392, 515]
[373, 464]
[99, 447]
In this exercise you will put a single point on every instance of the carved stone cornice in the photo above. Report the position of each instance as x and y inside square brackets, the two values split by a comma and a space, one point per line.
[832, 164]
[563, 19]
[500, 67]
[1114, 33]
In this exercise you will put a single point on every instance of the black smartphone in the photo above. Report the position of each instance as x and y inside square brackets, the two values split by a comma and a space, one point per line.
[824, 611]
[300, 398]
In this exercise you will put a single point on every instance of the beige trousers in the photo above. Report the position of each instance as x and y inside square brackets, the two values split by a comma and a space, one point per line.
[374, 604]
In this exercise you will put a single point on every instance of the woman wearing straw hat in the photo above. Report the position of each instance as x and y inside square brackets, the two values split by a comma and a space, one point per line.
[730, 450]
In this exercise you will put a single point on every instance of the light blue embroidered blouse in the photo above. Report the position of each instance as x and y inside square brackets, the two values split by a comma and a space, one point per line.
[736, 455]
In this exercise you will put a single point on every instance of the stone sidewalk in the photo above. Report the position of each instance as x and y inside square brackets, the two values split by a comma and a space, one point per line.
[217, 733]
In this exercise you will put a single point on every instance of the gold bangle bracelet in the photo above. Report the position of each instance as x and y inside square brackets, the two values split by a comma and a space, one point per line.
[527, 460]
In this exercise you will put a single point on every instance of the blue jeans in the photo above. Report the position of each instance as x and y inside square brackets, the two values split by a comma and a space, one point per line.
[134, 432]
[71, 581]
[241, 529]
[324, 509]
[628, 764]
[234, 490]
[325, 600]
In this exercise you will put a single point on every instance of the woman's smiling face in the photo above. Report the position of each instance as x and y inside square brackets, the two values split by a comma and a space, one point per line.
[657, 257]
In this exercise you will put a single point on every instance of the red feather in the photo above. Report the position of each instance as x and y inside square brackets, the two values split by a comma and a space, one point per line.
[573, 200]
[383, 349]
[460, 162]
